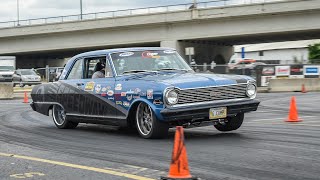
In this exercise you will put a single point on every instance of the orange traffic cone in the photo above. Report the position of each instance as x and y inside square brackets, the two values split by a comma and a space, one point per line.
[293, 113]
[303, 89]
[25, 99]
[179, 168]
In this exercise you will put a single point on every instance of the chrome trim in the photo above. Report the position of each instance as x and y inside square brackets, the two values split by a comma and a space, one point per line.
[164, 95]
[255, 94]
[209, 102]
[92, 116]
[213, 86]
[51, 103]
[204, 94]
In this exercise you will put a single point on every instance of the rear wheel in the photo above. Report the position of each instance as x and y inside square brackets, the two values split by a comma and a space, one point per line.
[147, 124]
[232, 123]
[59, 118]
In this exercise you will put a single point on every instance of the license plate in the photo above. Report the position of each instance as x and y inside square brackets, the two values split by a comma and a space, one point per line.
[218, 113]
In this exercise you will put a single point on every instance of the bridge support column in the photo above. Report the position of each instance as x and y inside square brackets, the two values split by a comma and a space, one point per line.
[173, 44]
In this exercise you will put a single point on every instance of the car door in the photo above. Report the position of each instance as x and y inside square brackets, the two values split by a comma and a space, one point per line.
[69, 89]
[98, 94]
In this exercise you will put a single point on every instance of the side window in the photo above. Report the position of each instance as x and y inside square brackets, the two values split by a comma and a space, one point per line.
[92, 66]
[77, 70]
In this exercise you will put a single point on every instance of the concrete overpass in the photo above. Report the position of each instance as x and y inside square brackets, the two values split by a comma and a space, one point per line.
[212, 31]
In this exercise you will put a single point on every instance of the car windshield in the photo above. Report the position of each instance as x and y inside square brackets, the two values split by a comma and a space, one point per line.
[148, 61]
[6, 68]
[28, 72]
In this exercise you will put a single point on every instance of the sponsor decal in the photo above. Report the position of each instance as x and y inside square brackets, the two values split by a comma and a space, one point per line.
[136, 97]
[129, 97]
[312, 70]
[143, 94]
[268, 71]
[104, 94]
[119, 102]
[98, 88]
[169, 51]
[118, 87]
[157, 102]
[89, 86]
[126, 54]
[296, 69]
[296, 76]
[130, 92]
[111, 98]
[110, 93]
[104, 89]
[123, 93]
[148, 54]
[282, 70]
[126, 104]
[137, 91]
[150, 94]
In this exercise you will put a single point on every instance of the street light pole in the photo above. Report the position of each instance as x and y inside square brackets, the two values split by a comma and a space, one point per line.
[81, 9]
[195, 4]
[18, 14]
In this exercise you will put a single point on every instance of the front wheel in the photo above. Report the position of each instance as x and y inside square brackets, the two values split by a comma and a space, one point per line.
[232, 123]
[59, 118]
[147, 124]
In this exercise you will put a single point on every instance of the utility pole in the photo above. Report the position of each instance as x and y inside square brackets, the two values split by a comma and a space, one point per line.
[81, 9]
[195, 4]
[18, 14]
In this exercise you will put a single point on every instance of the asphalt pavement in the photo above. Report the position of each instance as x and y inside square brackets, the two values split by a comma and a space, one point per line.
[265, 147]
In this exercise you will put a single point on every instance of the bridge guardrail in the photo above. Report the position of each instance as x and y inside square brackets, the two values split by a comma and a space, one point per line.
[129, 12]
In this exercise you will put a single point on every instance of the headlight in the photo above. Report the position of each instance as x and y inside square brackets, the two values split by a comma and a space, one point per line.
[251, 91]
[172, 97]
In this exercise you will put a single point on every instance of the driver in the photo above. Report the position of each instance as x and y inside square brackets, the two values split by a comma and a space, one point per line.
[100, 70]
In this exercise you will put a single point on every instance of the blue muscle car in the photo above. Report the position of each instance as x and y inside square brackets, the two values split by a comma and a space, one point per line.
[151, 89]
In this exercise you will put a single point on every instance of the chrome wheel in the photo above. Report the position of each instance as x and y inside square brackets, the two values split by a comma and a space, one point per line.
[59, 115]
[144, 119]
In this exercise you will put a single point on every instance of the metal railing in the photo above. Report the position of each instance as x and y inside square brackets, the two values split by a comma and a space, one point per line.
[129, 12]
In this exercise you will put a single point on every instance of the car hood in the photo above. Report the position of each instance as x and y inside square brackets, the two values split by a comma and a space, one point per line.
[6, 72]
[192, 80]
[30, 76]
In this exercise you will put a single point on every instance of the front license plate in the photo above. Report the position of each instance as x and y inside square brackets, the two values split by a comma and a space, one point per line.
[218, 113]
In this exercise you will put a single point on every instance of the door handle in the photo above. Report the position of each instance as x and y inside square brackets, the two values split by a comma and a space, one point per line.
[79, 84]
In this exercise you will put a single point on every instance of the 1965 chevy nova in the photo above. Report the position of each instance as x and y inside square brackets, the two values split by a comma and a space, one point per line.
[151, 89]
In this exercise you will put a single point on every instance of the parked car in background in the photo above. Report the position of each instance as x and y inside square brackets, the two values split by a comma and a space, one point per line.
[241, 64]
[54, 73]
[7, 67]
[58, 73]
[24, 77]
[150, 89]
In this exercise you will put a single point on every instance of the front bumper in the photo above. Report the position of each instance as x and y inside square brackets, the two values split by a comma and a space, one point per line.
[190, 113]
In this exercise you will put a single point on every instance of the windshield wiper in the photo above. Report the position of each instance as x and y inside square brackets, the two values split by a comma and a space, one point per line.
[172, 69]
[135, 71]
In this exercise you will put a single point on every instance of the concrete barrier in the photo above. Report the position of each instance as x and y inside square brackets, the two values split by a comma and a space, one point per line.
[290, 85]
[6, 90]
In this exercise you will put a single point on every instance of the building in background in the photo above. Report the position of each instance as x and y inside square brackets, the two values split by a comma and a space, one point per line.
[288, 52]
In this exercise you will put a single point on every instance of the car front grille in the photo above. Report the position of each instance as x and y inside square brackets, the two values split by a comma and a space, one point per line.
[212, 93]
[7, 76]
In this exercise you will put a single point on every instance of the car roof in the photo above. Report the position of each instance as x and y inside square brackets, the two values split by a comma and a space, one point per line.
[25, 69]
[109, 51]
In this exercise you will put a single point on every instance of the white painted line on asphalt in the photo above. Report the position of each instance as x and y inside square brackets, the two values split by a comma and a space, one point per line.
[283, 118]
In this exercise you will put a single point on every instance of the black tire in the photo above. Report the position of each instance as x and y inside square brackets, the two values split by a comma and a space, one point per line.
[157, 130]
[59, 118]
[233, 123]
